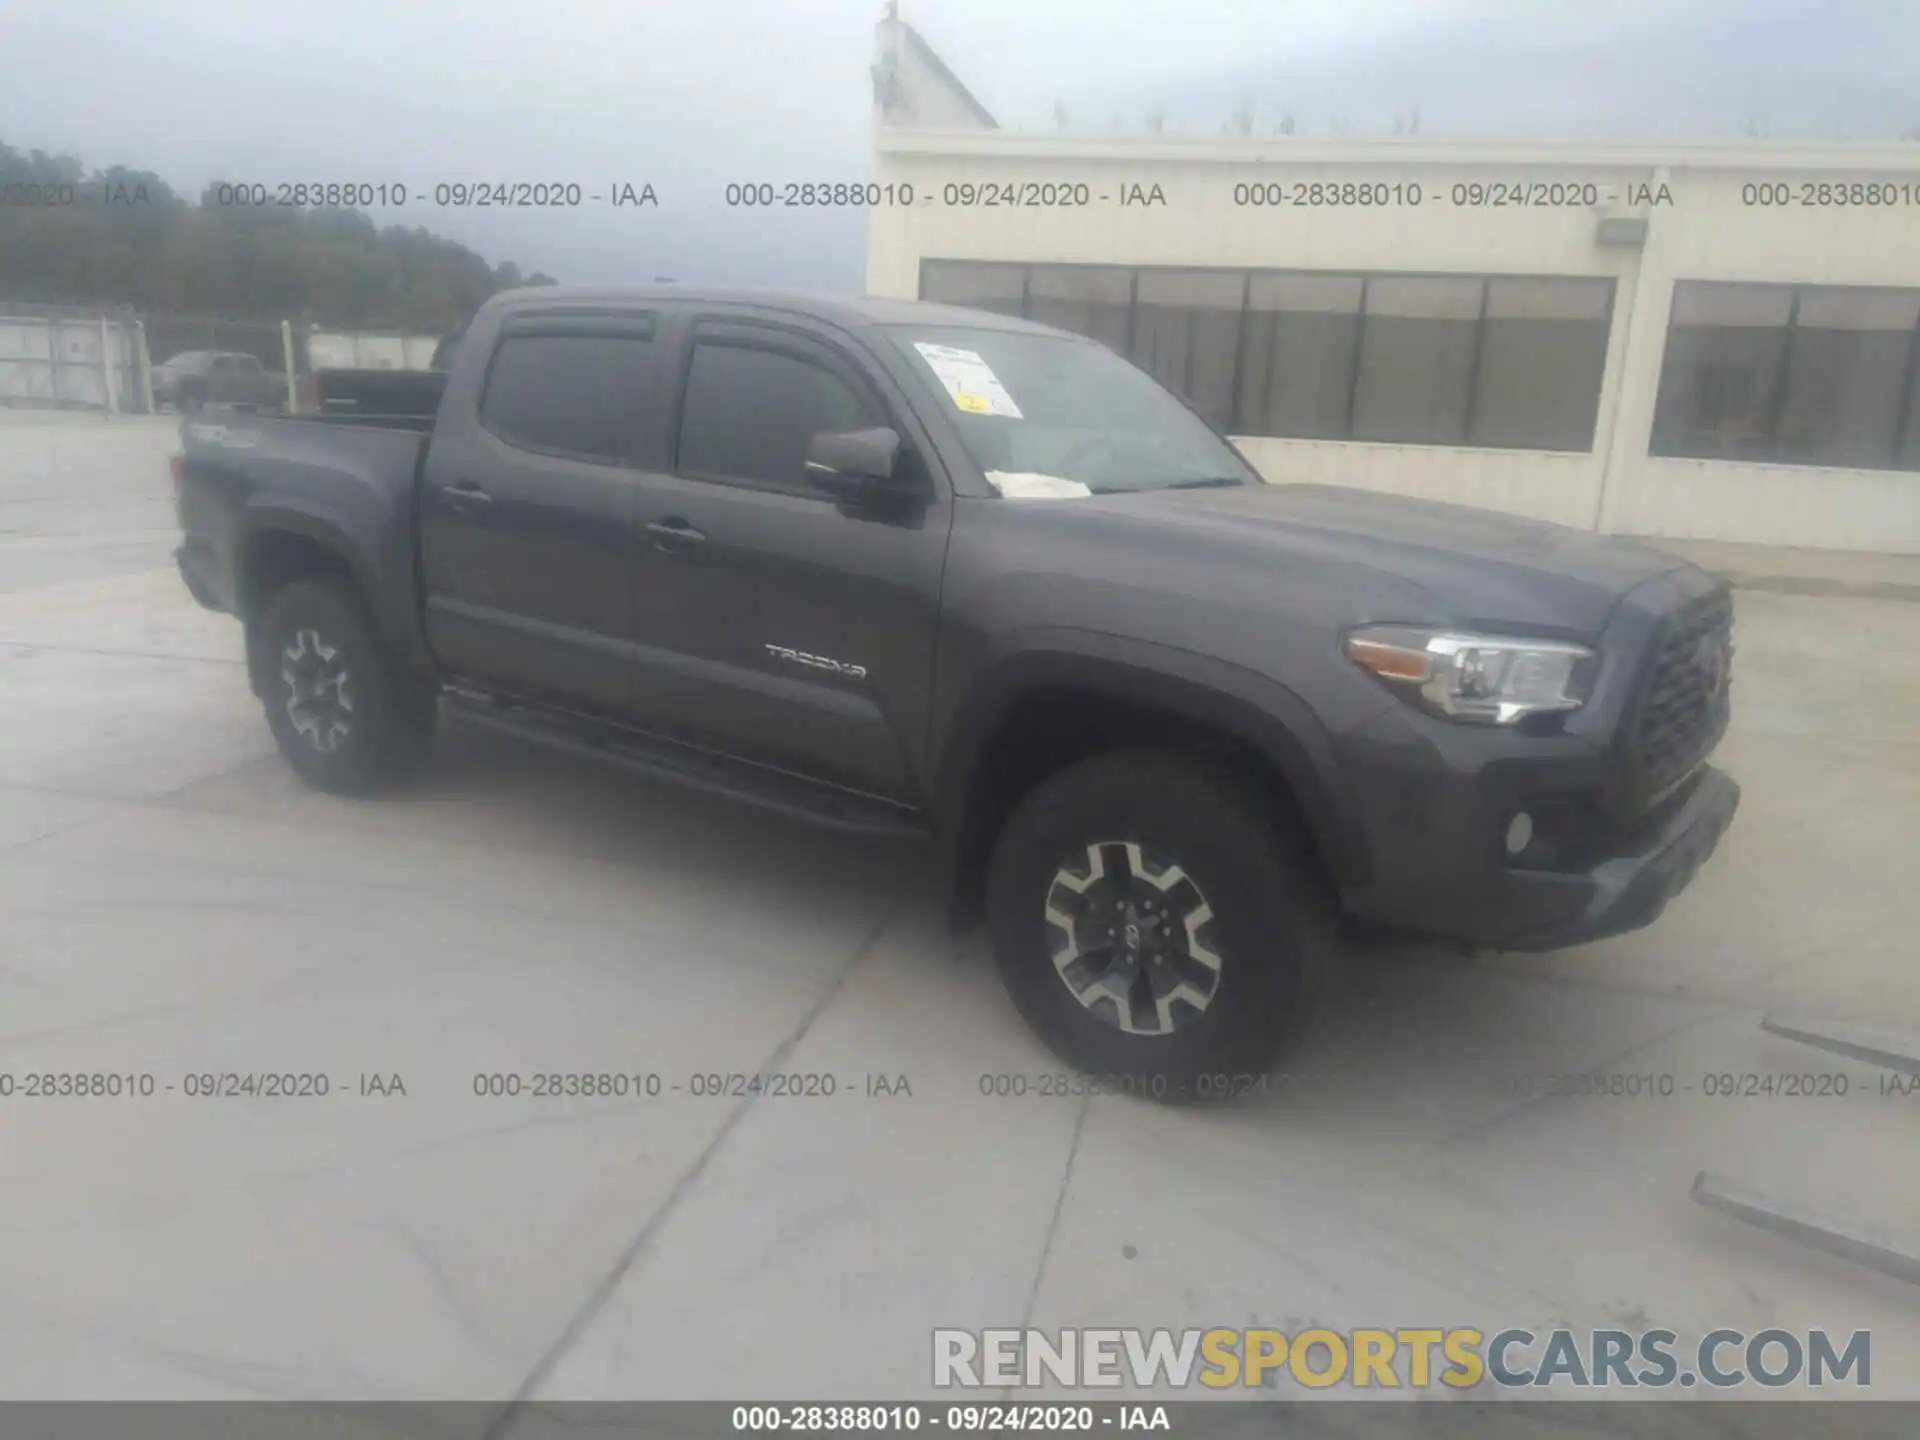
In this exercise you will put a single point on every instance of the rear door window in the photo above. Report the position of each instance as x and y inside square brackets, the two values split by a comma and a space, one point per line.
[572, 394]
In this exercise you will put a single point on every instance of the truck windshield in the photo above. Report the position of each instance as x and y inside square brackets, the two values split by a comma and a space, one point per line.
[1048, 416]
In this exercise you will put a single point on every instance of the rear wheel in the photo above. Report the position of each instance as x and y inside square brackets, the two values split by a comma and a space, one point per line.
[343, 710]
[1155, 925]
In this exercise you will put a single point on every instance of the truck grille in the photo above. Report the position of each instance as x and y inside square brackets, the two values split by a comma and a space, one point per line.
[1684, 708]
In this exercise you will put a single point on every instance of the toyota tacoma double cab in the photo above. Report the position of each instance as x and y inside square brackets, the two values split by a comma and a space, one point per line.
[927, 572]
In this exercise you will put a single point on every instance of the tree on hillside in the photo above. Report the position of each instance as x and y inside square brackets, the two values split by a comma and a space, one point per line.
[125, 237]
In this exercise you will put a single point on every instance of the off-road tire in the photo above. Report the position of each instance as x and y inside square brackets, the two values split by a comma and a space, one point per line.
[321, 626]
[1269, 922]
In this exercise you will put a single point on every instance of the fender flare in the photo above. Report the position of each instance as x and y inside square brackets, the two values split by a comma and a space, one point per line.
[258, 521]
[1253, 708]
[282, 517]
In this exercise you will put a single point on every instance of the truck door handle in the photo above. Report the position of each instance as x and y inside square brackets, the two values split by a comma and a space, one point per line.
[674, 533]
[463, 493]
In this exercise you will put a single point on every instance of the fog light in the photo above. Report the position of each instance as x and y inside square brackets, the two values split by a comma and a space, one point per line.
[1519, 833]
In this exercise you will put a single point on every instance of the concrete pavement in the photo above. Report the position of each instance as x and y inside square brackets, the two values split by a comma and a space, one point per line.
[83, 497]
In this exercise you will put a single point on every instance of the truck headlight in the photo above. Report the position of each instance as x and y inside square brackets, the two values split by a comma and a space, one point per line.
[1491, 679]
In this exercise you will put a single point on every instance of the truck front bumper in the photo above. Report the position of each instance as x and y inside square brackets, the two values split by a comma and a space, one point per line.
[1437, 806]
[1628, 891]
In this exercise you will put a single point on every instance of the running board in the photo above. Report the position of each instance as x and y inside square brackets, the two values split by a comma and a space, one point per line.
[1866, 1245]
[1876, 1047]
[683, 765]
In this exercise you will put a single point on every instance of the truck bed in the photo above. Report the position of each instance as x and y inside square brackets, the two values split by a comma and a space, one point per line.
[348, 485]
[381, 396]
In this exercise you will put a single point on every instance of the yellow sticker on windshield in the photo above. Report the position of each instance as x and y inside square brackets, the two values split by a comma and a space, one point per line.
[968, 380]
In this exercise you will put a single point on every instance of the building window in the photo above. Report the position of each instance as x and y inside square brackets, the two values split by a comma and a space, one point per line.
[1296, 365]
[1091, 300]
[1508, 362]
[1908, 455]
[1414, 381]
[1543, 356]
[1726, 346]
[999, 288]
[1791, 375]
[1186, 334]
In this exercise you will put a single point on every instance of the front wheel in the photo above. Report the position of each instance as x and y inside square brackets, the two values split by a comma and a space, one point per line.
[1155, 925]
[343, 710]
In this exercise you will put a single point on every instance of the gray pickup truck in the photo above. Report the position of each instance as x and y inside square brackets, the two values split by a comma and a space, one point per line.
[194, 379]
[922, 571]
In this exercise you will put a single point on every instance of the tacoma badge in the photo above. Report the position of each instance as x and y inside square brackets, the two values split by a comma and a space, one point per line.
[819, 662]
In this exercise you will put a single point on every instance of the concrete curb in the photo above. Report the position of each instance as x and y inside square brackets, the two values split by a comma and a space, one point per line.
[1790, 570]
[1821, 585]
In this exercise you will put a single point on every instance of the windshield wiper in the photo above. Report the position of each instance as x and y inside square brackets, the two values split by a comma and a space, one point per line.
[1199, 482]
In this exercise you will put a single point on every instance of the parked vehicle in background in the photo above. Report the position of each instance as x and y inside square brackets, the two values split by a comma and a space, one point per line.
[194, 379]
[913, 570]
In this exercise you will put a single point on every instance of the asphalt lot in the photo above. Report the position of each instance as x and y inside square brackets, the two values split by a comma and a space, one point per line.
[173, 903]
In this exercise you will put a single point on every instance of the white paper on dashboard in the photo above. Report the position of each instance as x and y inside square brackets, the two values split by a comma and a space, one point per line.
[969, 381]
[1026, 485]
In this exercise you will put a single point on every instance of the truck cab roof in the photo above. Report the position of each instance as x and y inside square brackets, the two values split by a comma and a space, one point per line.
[847, 311]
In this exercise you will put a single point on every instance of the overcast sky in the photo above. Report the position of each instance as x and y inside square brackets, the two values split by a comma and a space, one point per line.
[690, 94]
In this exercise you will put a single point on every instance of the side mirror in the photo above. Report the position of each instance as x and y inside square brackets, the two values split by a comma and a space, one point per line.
[854, 465]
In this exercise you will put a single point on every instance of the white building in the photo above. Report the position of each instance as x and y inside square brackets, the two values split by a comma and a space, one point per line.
[1707, 341]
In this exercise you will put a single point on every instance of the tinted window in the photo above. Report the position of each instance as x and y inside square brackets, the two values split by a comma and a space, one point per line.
[1794, 375]
[1296, 367]
[979, 287]
[1726, 346]
[1543, 355]
[567, 394]
[1091, 300]
[1186, 334]
[1847, 371]
[750, 414]
[1416, 360]
[1907, 454]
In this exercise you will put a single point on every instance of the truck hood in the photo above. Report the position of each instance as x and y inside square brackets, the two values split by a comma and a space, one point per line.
[1482, 567]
